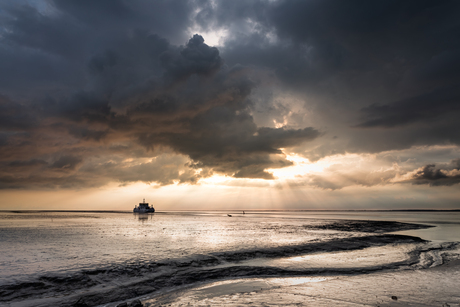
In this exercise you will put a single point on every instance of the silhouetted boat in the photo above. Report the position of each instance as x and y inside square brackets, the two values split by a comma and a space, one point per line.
[143, 208]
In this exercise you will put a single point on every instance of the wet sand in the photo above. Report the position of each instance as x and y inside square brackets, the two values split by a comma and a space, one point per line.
[438, 286]
[200, 260]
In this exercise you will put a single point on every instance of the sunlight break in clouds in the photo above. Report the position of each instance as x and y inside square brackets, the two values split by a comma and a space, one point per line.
[281, 103]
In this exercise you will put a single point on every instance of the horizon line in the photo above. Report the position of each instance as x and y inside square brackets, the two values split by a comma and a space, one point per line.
[245, 210]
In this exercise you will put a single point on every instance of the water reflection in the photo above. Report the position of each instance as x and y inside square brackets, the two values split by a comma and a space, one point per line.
[144, 216]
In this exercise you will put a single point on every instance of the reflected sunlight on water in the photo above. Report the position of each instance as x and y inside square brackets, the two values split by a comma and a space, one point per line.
[53, 253]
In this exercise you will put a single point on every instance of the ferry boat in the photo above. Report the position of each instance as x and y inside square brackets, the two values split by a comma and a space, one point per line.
[143, 208]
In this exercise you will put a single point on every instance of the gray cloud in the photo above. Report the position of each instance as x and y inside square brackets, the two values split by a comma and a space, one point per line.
[66, 163]
[72, 172]
[196, 58]
[427, 107]
[14, 116]
[444, 175]
[114, 80]
[378, 57]
[147, 95]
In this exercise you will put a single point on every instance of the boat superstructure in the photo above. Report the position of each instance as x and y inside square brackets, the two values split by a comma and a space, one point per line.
[143, 208]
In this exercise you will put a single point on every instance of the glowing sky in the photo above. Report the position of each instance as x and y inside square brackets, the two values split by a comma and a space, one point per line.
[229, 104]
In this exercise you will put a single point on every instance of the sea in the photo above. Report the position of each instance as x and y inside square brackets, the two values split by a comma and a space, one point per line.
[108, 258]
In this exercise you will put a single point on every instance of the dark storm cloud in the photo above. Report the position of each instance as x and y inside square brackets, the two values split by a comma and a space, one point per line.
[45, 48]
[87, 134]
[443, 175]
[167, 18]
[137, 96]
[27, 27]
[214, 128]
[231, 143]
[427, 107]
[101, 62]
[397, 61]
[196, 58]
[14, 116]
[368, 35]
[66, 163]
[88, 85]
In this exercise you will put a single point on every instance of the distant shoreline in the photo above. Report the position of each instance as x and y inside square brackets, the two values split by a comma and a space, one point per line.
[245, 210]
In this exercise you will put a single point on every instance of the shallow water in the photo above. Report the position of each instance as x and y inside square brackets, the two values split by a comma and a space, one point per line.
[118, 256]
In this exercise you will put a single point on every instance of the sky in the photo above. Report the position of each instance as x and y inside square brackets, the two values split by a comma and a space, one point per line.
[229, 105]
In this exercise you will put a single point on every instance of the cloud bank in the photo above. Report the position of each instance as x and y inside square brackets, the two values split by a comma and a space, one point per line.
[126, 91]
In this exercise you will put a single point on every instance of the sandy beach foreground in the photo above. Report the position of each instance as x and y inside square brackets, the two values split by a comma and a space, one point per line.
[438, 286]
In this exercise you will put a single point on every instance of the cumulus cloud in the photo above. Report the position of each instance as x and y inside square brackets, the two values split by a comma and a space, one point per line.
[85, 86]
[441, 175]
[359, 67]
[143, 97]
[196, 58]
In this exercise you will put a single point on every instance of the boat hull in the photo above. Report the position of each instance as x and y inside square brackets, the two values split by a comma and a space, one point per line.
[142, 210]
